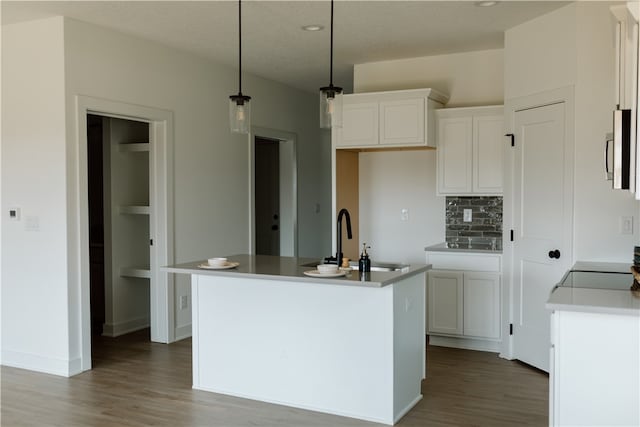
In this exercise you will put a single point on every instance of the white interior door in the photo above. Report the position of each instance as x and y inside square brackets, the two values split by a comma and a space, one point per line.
[542, 212]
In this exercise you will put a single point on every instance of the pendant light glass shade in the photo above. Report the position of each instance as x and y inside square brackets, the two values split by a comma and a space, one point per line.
[330, 107]
[239, 105]
[331, 96]
[240, 113]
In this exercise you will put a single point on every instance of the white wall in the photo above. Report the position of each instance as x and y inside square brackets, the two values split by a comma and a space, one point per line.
[211, 166]
[540, 54]
[391, 181]
[469, 78]
[574, 46]
[34, 255]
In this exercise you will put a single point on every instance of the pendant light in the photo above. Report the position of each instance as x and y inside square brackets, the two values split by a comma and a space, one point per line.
[239, 106]
[330, 96]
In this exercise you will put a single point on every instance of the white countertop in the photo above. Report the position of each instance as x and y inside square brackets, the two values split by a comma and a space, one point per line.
[267, 267]
[443, 247]
[596, 300]
[605, 301]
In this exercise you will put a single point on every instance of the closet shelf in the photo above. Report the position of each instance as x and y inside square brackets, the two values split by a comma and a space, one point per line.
[138, 272]
[134, 209]
[133, 147]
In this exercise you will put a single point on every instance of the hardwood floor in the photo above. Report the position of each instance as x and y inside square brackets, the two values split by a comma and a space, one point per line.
[138, 383]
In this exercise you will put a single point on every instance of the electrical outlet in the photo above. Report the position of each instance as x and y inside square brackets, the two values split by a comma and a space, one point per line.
[184, 302]
[626, 225]
[14, 214]
[467, 215]
[404, 214]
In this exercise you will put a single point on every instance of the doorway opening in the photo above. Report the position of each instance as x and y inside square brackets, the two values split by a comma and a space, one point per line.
[119, 224]
[267, 196]
[146, 207]
[274, 198]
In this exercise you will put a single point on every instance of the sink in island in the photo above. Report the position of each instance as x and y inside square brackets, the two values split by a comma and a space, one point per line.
[351, 346]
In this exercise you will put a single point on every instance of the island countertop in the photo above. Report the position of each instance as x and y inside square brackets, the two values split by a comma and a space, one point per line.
[292, 269]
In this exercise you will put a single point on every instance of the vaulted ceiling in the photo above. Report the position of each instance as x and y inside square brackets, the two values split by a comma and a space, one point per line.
[275, 46]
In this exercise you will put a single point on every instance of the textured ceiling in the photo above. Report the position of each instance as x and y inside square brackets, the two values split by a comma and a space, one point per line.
[275, 47]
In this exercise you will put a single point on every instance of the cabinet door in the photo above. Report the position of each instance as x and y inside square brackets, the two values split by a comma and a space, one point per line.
[482, 305]
[445, 302]
[454, 155]
[402, 122]
[488, 145]
[359, 125]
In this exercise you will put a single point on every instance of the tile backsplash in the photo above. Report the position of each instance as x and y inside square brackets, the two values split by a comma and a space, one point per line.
[484, 231]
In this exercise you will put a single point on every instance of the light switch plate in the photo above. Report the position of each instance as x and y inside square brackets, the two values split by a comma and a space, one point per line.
[467, 215]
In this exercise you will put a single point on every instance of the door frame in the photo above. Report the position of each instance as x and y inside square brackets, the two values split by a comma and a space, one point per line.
[288, 189]
[161, 202]
[564, 95]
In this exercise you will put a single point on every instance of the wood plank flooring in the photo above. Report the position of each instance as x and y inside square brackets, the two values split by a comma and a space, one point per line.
[138, 383]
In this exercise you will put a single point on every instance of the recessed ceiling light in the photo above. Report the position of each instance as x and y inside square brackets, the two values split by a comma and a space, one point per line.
[313, 27]
[486, 3]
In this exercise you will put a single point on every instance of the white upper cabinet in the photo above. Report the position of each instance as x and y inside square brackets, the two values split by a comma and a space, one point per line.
[359, 124]
[402, 118]
[488, 145]
[470, 150]
[455, 155]
[402, 122]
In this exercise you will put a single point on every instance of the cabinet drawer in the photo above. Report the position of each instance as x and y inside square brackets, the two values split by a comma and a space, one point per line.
[465, 261]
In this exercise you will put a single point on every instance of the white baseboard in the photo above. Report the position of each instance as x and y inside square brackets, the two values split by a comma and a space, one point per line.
[465, 343]
[121, 328]
[183, 332]
[39, 363]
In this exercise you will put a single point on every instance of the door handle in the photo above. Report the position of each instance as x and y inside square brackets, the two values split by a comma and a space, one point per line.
[274, 227]
[554, 254]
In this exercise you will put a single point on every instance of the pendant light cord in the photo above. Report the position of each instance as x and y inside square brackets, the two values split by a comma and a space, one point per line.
[240, 47]
[331, 49]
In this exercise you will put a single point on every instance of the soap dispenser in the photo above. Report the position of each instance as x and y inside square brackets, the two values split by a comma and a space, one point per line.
[364, 264]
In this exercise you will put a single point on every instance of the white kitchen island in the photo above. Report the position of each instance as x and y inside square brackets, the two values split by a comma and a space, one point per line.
[344, 346]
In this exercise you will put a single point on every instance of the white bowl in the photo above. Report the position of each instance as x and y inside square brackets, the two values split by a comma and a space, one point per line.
[327, 268]
[217, 262]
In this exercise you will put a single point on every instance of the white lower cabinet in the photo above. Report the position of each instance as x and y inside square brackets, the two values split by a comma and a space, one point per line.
[594, 376]
[445, 300]
[464, 303]
[463, 307]
[481, 306]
